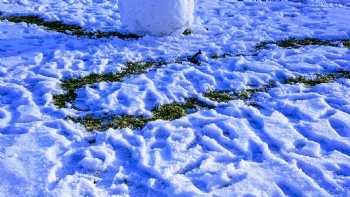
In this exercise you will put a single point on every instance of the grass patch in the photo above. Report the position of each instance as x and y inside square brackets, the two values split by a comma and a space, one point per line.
[219, 96]
[170, 111]
[297, 43]
[61, 27]
[224, 96]
[104, 123]
[131, 68]
[177, 110]
[60, 100]
[71, 85]
[89, 122]
[318, 78]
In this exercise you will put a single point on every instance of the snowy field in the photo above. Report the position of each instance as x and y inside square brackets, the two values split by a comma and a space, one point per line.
[271, 114]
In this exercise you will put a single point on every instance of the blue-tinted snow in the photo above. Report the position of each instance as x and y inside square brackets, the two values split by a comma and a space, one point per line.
[297, 145]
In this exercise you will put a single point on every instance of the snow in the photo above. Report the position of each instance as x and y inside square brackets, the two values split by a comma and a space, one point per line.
[297, 144]
[156, 17]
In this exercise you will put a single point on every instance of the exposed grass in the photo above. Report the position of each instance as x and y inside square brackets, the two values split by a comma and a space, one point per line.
[129, 122]
[71, 85]
[60, 100]
[61, 27]
[318, 78]
[224, 96]
[170, 111]
[177, 110]
[131, 68]
[89, 122]
[297, 43]
[219, 96]
[103, 123]
[75, 30]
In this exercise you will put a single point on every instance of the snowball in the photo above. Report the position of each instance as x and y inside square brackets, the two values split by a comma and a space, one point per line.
[156, 17]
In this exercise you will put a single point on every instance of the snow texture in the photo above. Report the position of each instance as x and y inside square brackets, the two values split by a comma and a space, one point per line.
[156, 17]
[296, 144]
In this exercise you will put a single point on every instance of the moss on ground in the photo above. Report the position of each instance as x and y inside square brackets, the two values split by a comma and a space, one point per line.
[61, 27]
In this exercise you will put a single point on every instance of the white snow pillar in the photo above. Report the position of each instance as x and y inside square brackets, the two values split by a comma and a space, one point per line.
[156, 17]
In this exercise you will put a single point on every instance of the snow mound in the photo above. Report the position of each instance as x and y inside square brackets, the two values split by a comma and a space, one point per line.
[156, 17]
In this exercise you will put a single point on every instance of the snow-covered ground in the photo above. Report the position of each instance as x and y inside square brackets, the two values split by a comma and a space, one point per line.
[297, 144]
